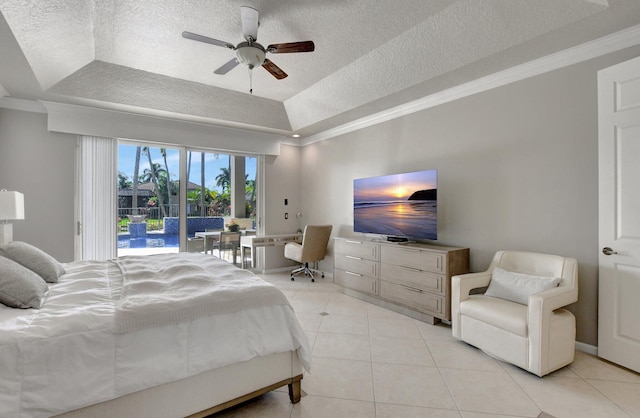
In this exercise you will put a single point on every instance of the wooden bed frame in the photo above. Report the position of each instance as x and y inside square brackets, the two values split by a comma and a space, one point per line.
[206, 393]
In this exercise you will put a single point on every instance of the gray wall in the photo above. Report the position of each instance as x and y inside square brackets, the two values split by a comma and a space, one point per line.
[282, 174]
[41, 165]
[517, 169]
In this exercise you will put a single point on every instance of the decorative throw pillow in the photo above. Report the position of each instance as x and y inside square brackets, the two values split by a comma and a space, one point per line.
[19, 286]
[34, 259]
[517, 287]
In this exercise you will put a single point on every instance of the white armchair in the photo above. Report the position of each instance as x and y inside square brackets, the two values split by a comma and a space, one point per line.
[538, 336]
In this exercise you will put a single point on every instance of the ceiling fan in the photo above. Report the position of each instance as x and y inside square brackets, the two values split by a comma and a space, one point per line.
[250, 52]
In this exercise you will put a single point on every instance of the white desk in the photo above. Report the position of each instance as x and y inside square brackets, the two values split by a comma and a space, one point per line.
[253, 241]
[214, 236]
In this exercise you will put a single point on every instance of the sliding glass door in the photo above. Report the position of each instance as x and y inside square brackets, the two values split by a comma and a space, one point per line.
[148, 199]
[220, 189]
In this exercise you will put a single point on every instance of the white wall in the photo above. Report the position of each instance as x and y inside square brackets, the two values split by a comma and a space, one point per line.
[41, 165]
[517, 169]
[283, 181]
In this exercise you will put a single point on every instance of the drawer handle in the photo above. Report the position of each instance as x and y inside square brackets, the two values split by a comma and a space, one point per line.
[413, 289]
[352, 257]
[354, 242]
[353, 274]
[410, 269]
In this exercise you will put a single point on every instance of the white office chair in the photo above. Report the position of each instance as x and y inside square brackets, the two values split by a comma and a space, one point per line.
[520, 318]
[313, 248]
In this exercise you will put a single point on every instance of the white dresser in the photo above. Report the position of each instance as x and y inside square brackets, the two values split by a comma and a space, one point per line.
[413, 279]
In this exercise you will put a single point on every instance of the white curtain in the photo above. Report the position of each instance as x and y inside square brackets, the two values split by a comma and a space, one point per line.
[97, 198]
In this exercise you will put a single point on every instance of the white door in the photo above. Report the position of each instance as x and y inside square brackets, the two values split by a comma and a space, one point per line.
[619, 223]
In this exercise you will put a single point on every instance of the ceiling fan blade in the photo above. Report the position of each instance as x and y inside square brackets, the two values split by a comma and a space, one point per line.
[305, 46]
[273, 69]
[206, 39]
[228, 66]
[249, 17]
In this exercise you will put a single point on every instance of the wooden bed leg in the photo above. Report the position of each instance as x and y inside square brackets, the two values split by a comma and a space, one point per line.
[295, 391]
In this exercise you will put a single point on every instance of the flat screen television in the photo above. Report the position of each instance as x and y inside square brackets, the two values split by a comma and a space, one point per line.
[399, 206]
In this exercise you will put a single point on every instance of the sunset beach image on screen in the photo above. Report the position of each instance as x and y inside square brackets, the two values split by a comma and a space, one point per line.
[397, 205]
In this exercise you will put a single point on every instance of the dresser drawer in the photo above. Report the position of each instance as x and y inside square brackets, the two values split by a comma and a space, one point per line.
[357, 265]
[357, 248]
[413, 298]
[414, 257]
[430, 282]
[356, 281]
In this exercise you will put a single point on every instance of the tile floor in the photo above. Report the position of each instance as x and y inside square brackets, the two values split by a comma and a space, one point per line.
[369, 362]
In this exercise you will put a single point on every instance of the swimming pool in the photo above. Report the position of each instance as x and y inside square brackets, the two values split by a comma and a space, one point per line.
[150, 241]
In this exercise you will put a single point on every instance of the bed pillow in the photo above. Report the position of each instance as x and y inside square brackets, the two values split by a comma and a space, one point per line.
[19, 286]
[517, 287]
[34, 259]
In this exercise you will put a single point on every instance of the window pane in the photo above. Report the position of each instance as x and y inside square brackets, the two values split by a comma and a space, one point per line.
[221, 189]
[149, 208]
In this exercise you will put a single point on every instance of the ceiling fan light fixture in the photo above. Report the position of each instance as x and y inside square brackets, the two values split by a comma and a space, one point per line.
[250, 55]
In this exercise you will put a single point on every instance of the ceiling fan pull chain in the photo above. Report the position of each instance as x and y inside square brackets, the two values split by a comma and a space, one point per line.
[250, 81]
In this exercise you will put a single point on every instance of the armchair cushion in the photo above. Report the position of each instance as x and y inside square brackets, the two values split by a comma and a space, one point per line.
[517, 287]
[509, 316]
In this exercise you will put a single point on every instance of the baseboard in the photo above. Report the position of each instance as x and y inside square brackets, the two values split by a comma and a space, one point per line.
[587, 348]
[276, 270]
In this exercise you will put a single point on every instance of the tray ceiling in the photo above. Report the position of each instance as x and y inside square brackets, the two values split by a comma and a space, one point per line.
[130, 55]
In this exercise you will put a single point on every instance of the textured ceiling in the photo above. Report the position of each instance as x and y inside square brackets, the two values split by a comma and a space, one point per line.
[369, 56]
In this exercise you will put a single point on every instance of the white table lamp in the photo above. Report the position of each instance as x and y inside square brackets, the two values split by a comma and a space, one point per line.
[11, 207]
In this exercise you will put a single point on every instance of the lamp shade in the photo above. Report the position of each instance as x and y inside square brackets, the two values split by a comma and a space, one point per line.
[11, 205]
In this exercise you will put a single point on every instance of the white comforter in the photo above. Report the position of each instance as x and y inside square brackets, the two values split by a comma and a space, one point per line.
[88, 344]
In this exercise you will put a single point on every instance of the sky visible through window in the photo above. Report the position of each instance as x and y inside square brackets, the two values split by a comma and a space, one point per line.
[212, 165]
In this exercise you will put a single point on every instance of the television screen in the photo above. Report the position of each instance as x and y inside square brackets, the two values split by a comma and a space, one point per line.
[397, 205]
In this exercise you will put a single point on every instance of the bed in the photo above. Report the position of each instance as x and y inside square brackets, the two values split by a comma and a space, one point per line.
[166, 335]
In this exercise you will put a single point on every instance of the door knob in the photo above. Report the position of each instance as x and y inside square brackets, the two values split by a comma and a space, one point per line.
[608, 251]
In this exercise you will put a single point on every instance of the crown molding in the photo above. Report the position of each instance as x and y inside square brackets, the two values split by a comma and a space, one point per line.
[583, 52]
[22, 104]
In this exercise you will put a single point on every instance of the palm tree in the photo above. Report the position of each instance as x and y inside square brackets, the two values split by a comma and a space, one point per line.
[170, 187]
[123, 181]
[156, 169]
[224, 179]
[136, 174]
[153, 171]
[251, 188]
